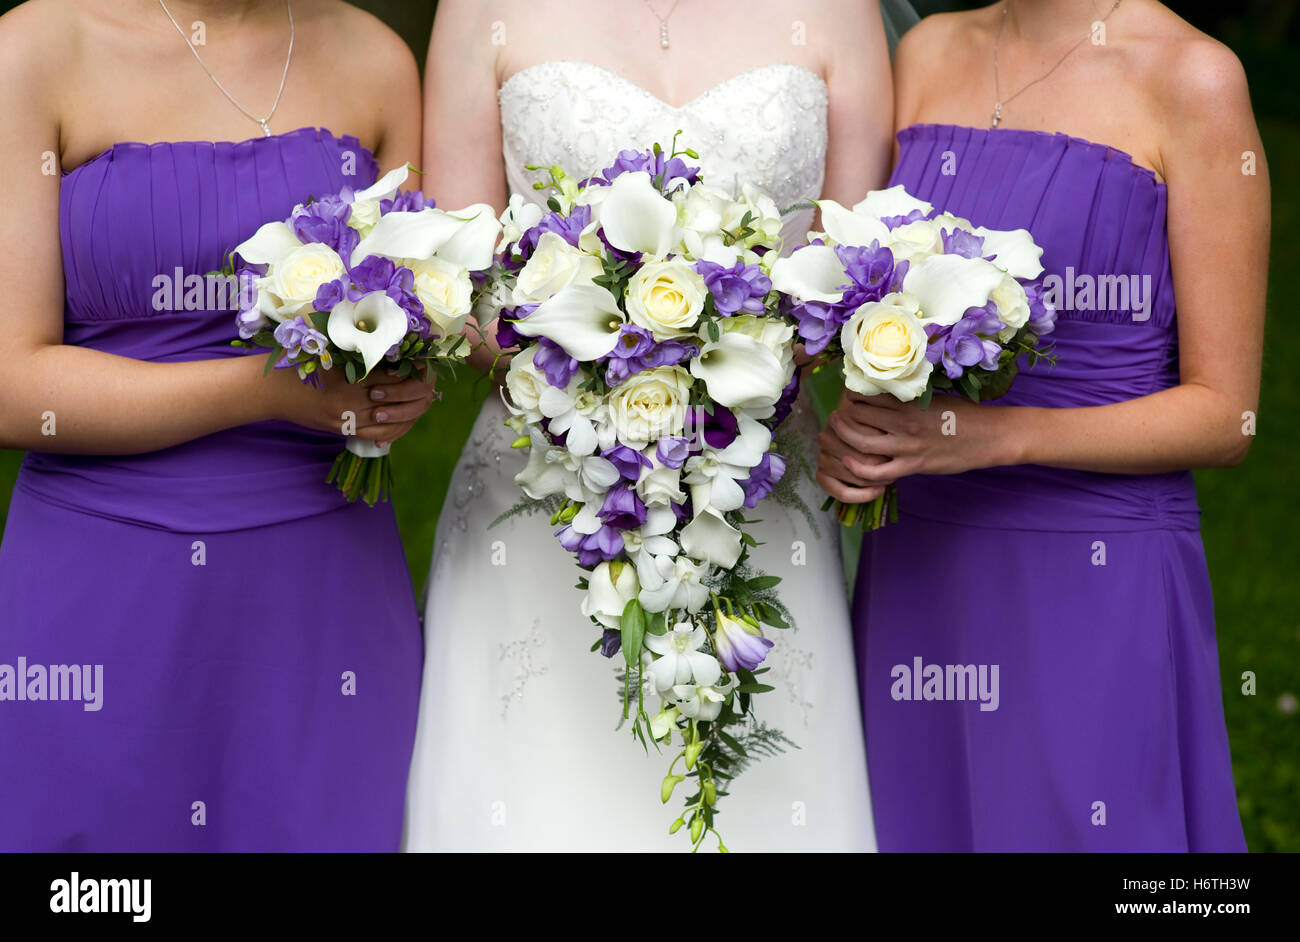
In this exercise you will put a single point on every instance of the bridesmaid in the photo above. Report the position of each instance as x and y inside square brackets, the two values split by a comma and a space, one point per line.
[246, 644]
[1056, 534]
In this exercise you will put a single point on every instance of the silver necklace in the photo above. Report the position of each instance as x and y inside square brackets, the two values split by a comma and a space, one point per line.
[997, 84]
[288, 5]
[663, 22]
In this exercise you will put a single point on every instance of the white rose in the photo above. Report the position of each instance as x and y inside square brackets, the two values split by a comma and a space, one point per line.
[525, 384]
[365, 213]
[916, 240]
[1013, 307]
[660, 486]
[650, 405]
[884, 349]
[554, 265]
[445, 290]
[609, 588]
[666, 298]
[295, 277]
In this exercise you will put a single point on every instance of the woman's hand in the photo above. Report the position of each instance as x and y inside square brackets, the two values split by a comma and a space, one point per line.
[385, 406]
[881, 440]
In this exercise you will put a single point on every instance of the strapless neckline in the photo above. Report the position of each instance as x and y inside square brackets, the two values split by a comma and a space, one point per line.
[1114, 152]
[686, 106]
[317, 132]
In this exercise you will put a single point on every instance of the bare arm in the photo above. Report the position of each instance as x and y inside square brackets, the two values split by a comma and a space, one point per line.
[1219, 235]
[101, 403]
[860, 115]
[462, 123]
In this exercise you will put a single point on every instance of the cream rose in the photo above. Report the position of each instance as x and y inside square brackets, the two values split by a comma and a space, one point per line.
[525, 384]
[666, 298]
[445, 291]
[916, 240]
[1013, 306]
[554, 265]
[296, 276]
[650, 405]
[365, 213]
[884, 349]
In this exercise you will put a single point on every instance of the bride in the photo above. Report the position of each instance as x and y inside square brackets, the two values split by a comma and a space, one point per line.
[516, 747]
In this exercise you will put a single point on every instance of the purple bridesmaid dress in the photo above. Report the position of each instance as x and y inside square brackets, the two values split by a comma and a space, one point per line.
[1036, 646]
[237, 649]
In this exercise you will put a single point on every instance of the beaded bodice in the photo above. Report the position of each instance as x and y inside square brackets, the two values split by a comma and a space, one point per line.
[766, 126]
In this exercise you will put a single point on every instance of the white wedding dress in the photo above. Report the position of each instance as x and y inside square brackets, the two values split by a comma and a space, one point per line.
[516, 747]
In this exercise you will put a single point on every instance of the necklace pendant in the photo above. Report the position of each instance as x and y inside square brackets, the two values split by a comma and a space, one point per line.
[265, 129]
[663, 35]
[997, 114]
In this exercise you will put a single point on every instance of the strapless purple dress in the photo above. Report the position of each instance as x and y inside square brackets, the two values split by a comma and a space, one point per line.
[1088, 592]
[258, 636]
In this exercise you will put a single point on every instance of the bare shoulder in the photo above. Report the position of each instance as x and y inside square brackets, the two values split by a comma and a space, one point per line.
[35, 37]
[365, 36]
[939, 34]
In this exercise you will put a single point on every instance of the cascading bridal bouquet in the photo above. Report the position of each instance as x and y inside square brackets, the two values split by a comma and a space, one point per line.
[898, 288]
[355, 279]
[653, 370]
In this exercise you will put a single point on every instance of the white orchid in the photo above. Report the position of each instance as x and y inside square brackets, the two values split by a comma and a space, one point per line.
[713, 474]
[371, 326]
[652, 536]
[668, 582]
[545, 475]
[520, 215]
[702, 701]
[680, 659]
[571, 411]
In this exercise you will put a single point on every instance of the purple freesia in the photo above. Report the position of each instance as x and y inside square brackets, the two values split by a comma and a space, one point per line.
[377, 273]
[739, 646]
[555, 362]
[591, 548]
[636, 351]
[568, 228]
[622, 508]
[1042, 314]
[763, 478]
[737, 288]
[672, 451]
[409, 201]
[785, 405]
[627, 460]
[298, 336]
[893, 222]
[963, 243]
[720, 426]
[611, 642]
[963, 344]
[326, 221]
[661, 168]
[872, 274]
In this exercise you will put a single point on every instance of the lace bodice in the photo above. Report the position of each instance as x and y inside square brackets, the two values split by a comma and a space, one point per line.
[766, 126]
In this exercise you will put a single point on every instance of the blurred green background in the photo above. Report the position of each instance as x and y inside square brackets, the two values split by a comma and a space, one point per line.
[1249, 520]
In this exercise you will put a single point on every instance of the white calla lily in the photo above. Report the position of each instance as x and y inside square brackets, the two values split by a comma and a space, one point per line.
[583, 319]
[710, 538]
[268, 244]
[892, 201]
[850, 227]
[370, 326]
[473, 244]
[408, 235]
[610, 587]
[386, 187]
[740, 372]
[811, 273]
[1014, 251]
[946, 286]
[637, 218]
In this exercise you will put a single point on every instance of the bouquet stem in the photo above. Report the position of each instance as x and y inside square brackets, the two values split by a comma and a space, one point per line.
[363, 470]
[869, 516]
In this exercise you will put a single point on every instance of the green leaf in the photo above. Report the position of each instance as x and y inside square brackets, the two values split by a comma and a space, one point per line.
[759, 583]
[734, 743]
[755, 688]
[633, 626]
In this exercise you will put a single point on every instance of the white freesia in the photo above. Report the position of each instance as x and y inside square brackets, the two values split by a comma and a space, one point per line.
[884, 349]
[666, 298]
[1014, 251]
[680, 659]
[553, 266]
[946, 286]
[668, 582]
[520, 215]
[650, 405]
[445, 290]
[583, 319]
[811, 273]
[636, 217]
[371, 326]
[610, 587]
